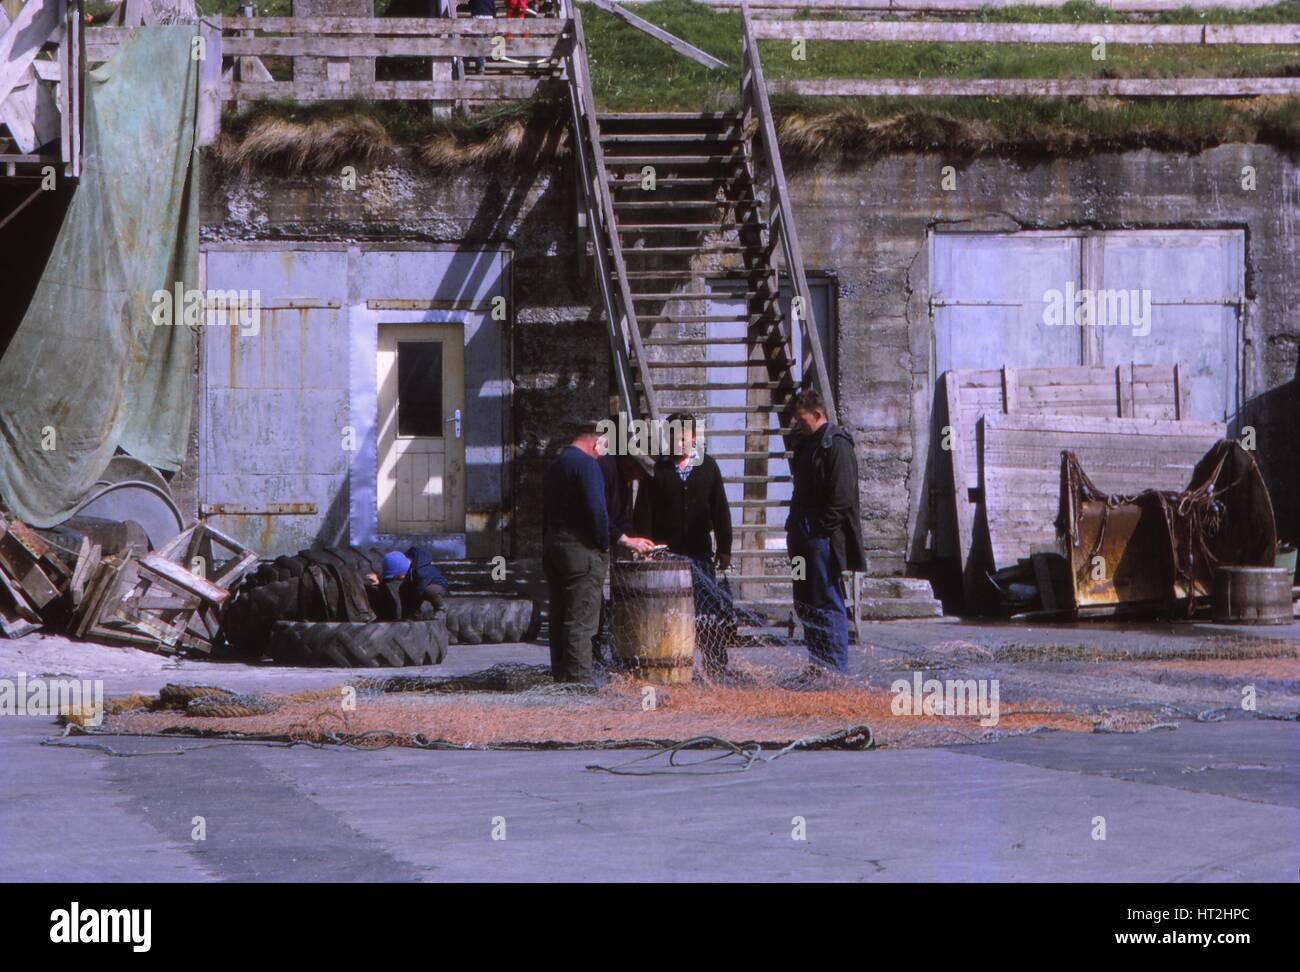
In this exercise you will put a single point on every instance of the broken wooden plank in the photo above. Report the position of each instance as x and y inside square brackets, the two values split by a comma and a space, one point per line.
[87, 564]
[662, 36]
[34, 26]
[182, 578]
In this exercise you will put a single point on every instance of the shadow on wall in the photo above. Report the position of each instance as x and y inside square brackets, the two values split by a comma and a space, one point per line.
[26, 242]
[1275, 416]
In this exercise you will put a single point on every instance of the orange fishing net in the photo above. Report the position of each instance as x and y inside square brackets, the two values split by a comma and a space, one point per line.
[517, 705]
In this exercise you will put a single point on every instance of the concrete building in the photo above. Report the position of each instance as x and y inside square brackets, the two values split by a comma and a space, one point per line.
[912, 281]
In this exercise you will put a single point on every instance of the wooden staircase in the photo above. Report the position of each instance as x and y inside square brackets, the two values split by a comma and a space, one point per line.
[695, 239]
[688, 216]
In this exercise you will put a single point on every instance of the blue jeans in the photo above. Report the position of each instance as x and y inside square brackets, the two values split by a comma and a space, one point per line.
[819, 596]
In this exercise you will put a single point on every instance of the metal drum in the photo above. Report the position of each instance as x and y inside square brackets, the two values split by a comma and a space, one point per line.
[652, 619]
[1252, 595]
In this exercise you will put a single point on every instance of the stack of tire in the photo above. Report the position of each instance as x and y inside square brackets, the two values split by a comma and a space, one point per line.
[275, 587]
[465, 619]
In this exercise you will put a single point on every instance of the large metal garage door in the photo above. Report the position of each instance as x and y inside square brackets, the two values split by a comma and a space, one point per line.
[989, 292]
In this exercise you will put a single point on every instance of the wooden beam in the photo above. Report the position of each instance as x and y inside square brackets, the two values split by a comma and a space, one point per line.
[984, 33]
[1045, 87]
[361, 46]
[489, 89]
[387, 26]
[661, 35]
[208, 122]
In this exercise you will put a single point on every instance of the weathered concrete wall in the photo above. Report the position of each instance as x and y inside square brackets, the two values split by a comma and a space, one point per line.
[869, 225]
[559, 350]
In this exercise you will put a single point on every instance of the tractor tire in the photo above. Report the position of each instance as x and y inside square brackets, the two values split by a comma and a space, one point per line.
[475, 620]
[352, 644]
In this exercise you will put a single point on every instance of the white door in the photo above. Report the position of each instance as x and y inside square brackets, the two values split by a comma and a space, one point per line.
[421, 444]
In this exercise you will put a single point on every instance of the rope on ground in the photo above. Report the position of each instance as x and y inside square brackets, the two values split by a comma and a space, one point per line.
[851, 737]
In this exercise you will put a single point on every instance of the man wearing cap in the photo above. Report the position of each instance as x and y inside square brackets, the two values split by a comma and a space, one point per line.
[575, 542]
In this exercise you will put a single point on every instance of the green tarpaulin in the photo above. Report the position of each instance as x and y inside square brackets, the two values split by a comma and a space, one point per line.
[88, 370]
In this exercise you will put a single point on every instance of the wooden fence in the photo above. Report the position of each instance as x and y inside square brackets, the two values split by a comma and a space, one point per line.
[1196, 35]
[333, 59]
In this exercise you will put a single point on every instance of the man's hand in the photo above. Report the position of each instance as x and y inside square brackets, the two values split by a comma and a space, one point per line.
[724, 562]
[372, 579]
[638, 545]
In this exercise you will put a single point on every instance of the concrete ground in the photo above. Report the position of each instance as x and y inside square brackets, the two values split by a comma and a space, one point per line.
[1208, 801]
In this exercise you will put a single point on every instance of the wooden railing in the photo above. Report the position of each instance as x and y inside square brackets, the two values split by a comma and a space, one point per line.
[233, 69]
[757, 111]
[1189, 35]
[620, 313]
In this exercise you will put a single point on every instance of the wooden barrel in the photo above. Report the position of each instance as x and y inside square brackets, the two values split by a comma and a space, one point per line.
[652, 619]
[1252, 595]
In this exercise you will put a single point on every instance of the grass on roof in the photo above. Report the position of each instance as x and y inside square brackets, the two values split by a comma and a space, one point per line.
[633, 72]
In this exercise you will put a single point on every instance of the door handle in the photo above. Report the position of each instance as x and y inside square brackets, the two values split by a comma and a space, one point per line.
[456, 419]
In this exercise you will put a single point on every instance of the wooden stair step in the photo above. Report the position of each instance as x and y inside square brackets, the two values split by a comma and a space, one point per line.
[691, 319]
[670, 203]
[728, 135]
[634, 181]
[721, 386]
[764, 273]
[701, 248]
[672, 160]
[651, 116]
[713, 226]
[703, 342]
[659, 295]
[697, 364]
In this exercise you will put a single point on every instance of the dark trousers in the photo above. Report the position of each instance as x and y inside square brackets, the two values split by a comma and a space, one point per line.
[575, 574]
[819, 597]
[715, 618]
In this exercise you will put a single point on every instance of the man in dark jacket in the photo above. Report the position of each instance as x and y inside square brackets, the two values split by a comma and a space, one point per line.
[684, 505]
[824, 529]
[575, 542]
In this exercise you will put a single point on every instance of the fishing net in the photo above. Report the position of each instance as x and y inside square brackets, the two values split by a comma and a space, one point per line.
[519, 706]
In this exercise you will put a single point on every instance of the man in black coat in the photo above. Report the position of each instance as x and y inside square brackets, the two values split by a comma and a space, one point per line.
[823, 530]
[575, 548]
[684, 505]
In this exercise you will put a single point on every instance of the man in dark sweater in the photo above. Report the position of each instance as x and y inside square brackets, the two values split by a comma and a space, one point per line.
[575, 542]
[684, 505]
[823, 530]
